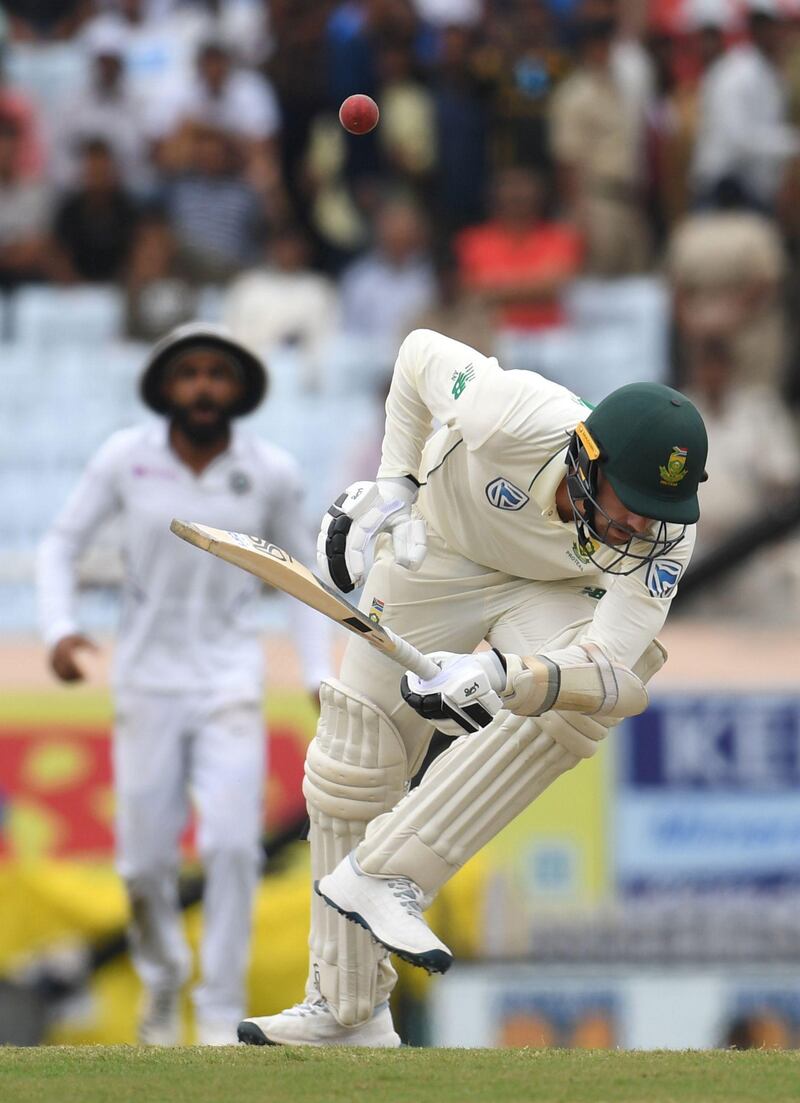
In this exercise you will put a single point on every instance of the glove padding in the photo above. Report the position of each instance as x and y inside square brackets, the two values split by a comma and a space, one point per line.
[350, 527]
[464, 697]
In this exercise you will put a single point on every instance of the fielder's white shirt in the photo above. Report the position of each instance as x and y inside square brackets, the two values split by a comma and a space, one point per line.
[188, 619]
[490, 475]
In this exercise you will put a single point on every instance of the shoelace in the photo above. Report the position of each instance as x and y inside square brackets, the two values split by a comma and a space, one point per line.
[309, 1007]
[409, 896]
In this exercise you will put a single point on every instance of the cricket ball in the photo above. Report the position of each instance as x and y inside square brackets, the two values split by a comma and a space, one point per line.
[359, 114]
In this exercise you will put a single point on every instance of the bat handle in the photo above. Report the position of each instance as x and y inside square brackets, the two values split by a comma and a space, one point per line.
[411, 659]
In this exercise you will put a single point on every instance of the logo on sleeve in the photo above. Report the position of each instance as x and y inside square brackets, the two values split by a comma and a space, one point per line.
[662, 577]
[504, 495]
[460, 379]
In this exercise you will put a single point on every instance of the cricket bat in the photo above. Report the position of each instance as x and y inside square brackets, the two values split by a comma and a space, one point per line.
[278, 568]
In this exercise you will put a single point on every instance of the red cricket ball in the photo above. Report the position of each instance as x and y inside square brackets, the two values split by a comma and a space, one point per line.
[359, 114]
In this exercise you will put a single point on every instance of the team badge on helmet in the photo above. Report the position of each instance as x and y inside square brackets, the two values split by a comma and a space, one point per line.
[675, 470]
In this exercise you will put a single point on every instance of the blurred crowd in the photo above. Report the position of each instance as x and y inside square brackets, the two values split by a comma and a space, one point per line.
[167, 145]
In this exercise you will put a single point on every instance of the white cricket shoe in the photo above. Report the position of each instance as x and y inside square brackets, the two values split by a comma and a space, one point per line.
[211, 1032]
[390, 908]
[160, 1022]
[312, 1023]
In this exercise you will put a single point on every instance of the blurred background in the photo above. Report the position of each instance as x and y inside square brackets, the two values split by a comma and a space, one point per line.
[598, 192]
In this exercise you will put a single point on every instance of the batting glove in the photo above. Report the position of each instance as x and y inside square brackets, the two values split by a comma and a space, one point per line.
[464, 697]
[352, 523]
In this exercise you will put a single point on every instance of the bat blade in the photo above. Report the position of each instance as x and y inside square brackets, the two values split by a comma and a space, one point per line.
[279, 569]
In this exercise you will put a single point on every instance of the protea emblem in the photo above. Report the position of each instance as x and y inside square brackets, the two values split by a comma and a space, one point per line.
[675, 470]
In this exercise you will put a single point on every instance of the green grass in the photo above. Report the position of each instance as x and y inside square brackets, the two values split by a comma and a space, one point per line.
[122, 1074]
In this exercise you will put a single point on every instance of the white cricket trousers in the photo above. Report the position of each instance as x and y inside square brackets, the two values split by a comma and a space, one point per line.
[170, 749]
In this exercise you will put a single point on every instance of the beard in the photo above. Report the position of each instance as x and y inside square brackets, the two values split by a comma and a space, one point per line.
[203, 431]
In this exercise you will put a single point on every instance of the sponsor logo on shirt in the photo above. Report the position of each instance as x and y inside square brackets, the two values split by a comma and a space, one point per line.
[594, 592]
[142, 471]
[504, 495]
[460, 379]
[662, 577]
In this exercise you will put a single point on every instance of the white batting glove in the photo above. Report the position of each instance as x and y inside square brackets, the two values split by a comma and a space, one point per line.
[464, 697]
[350, 527]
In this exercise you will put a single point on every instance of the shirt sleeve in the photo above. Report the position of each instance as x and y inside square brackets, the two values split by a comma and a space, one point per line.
[438, 378]
[635, 607]
[289, 529]
[94, 499]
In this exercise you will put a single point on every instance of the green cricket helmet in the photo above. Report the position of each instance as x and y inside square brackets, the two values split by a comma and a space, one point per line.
[650, 442]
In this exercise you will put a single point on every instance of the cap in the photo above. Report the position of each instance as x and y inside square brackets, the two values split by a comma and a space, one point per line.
[653, 448]
[195, 334]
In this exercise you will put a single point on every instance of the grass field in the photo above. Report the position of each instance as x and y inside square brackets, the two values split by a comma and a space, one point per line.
[121, 1074]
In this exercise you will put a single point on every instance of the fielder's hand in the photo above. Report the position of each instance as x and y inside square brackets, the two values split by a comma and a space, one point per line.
[464, 697]
[65, 657]
[354, 520]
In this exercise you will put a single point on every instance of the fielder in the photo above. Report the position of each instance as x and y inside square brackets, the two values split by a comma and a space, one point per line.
[188, 668]
[556, 533]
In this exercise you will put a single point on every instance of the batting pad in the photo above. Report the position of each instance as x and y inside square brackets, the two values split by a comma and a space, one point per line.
[355, 770]
[480, 784]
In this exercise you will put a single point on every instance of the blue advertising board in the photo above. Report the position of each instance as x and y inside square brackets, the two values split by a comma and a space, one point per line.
[708, 794]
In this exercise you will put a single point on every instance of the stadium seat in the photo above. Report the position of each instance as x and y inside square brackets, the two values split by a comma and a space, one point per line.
[81, 315]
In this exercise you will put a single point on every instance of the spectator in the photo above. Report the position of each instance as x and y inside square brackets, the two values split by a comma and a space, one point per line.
[237, 101]
[450, 13]
[16, 107]
[24, 214]
[407, 133]
[461, 96]
[383, 291]
[46, 19]
[217, 218]
[285, 303]
[517, 263]
[159, 45]
[352, 32]
[297, 69]
[753, 465]
[595, 141]
[104, 108]
[524, 64]
[672, 113]
[727, 269]
[95, 226]
[743, 128]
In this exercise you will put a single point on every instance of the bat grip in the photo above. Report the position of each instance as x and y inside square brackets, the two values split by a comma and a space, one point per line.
[407, 656]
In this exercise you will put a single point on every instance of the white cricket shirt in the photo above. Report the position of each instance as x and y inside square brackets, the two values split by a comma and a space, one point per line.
[490, 475]
[187, 620]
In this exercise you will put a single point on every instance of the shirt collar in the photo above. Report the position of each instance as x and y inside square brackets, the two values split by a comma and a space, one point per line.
[158, 436]
[546, 482]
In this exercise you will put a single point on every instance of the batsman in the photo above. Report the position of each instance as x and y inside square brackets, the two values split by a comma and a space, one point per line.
[556, 533]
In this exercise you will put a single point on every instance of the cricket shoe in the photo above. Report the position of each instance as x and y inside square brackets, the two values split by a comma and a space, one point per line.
[312, 1023]
[160, 1022]
[390, 908]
